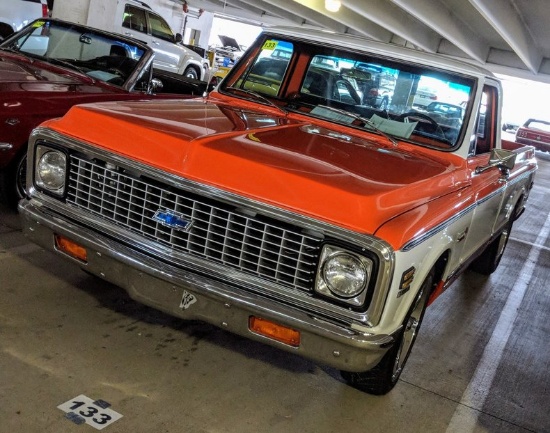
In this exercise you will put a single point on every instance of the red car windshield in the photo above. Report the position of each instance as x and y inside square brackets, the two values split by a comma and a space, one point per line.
[95, 54]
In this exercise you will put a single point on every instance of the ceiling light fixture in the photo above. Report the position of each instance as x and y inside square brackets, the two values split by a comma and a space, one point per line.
[333, 5]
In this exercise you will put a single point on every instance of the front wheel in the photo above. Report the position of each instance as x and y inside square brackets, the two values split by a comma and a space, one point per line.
[489, 259]
[5, 31]
[13, 180]
[382, 378]
[191, 72]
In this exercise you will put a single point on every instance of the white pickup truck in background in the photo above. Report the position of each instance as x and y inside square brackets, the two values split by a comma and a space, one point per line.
[15, 14]
[138, 20]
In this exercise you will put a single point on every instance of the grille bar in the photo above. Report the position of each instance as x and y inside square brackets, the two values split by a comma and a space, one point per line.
[219, 232]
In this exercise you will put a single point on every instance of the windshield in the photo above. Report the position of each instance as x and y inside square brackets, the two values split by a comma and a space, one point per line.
[408, 101]
[81, 49]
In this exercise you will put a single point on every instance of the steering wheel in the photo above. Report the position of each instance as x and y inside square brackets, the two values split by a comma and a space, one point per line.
[422, 117]
[351, 93]
[116, 71]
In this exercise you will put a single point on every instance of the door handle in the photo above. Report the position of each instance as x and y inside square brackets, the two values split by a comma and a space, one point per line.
[461, 236]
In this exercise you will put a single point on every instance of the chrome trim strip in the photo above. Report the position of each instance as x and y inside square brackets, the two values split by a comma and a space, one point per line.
[6, 146]
[383, 250]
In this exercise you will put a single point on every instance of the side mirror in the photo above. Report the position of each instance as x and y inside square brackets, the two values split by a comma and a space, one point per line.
[155, 85]
[179, 38]
[501, 158]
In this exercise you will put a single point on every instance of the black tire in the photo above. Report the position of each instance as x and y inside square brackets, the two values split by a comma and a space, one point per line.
[191, 72]
[489, 259]
[5, 31]
[13, 180]
[383, 377]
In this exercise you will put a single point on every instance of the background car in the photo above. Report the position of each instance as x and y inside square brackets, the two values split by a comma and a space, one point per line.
[444, 112]
[379, 97]
[229, 52]
[136, 19]
[15, 14]
[51, 65]
[423, 97]
[535, 133]
[510, 127]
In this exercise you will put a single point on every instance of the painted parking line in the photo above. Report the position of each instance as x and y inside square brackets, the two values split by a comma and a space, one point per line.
[465, 417]
[531, 244]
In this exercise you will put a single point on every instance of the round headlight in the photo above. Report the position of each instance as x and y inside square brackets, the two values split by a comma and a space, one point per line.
[345, 275]
[50, 170]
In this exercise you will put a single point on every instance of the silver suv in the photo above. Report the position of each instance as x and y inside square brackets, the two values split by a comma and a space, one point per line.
[136, 19]
[15, 14]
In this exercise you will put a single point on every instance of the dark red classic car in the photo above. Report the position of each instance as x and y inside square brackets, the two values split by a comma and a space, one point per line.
[535, 133]
[51, 65]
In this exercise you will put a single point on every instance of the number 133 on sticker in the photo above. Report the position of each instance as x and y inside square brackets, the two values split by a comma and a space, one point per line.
[269, 45]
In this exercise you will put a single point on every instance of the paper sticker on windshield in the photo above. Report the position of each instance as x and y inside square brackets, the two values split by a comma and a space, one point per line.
[270, 45]
[37, 24]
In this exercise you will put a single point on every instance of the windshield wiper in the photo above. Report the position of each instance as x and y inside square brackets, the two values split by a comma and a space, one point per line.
[67, 64]
[258, 96]
[365, 120]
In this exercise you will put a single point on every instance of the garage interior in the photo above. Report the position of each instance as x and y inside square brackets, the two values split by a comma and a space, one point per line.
[481, 362]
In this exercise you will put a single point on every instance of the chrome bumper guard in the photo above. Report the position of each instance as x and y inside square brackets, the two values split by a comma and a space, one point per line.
[162, 286]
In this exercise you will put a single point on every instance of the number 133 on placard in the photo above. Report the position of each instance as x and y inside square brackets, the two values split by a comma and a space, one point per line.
[84, 409]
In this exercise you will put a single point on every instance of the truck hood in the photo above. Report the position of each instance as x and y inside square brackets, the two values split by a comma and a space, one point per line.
[357, 183]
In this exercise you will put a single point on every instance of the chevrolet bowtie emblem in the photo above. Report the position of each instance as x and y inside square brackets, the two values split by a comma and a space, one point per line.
[172, 219]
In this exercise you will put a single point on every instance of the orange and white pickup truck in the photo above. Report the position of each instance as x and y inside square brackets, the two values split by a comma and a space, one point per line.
[289, 205]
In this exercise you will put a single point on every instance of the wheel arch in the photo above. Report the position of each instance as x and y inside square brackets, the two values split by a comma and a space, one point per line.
[196, 66]
[440, 268]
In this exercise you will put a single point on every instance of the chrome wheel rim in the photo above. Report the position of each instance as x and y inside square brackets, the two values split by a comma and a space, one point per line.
[502, 243]
[21, 178]
[409, 333]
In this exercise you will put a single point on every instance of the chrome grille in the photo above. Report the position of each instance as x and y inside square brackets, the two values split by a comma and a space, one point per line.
[219, 232]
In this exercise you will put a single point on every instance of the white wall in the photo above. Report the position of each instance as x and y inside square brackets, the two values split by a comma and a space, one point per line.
[102, 14]
[203, 24]
[72, 10]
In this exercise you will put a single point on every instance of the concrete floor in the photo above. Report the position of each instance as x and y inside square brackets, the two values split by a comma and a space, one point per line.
[481, 363]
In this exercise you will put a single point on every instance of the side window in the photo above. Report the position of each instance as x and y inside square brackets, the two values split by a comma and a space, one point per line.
[160, 28]
[134, 19]
[486, 122]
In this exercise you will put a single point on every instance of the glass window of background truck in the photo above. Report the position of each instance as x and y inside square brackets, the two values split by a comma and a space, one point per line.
[267, 72]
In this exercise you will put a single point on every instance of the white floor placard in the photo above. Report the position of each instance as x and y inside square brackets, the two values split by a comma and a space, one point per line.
[83, 409]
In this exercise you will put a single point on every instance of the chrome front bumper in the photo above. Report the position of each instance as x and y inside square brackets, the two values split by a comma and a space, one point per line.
[162, 286]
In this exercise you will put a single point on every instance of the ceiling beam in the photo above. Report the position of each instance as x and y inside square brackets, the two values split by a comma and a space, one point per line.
[510, 26]
[279, 12]
[397, 21]
[350, 19]
[312, 16]
[442, 20]
[243, 15]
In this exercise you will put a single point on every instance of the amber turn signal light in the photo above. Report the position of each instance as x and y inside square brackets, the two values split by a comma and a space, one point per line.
[71, 248]
[274, 331]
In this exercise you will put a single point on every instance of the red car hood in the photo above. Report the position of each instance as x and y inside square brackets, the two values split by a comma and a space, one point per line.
[304, 167]
[18, 69]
